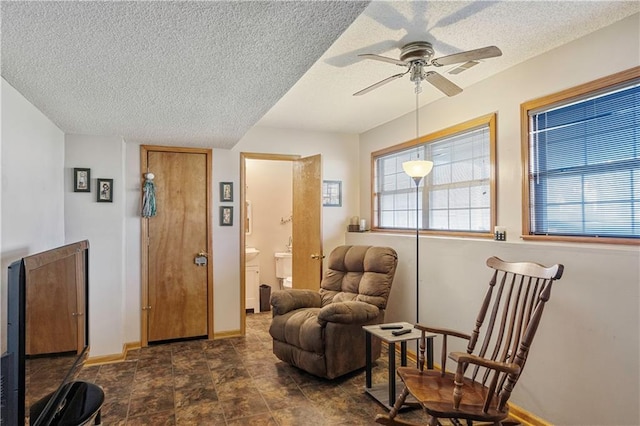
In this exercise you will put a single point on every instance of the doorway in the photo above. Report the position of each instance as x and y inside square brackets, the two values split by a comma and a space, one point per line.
[296, 221]
[177, 290]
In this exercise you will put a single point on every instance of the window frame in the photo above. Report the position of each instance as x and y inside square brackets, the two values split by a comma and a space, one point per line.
[560, 98]
[488, 120]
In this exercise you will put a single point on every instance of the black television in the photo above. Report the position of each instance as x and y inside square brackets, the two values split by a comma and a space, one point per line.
[47, 334]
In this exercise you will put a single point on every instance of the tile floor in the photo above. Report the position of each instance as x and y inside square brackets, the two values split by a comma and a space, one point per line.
[235, 381]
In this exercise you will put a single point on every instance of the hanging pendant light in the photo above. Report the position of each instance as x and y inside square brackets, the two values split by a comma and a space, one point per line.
[417, 169]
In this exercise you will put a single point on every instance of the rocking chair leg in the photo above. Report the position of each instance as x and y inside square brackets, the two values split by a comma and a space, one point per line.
[399, 403]
[389, 419]
[433, 421]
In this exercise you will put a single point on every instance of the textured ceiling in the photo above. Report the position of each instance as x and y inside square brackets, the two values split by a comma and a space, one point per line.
[322, 99]
[189, 73]
[203, 73]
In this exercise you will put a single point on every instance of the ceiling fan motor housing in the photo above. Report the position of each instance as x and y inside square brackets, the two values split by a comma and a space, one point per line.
[416, 51]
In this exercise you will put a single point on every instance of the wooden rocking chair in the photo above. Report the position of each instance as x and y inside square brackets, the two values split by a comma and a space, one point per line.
[485, 376]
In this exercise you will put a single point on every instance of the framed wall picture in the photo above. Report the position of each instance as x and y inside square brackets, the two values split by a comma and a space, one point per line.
[332, 193]
[226, 216]
[226, 191]
[81, 180]
[105, 190]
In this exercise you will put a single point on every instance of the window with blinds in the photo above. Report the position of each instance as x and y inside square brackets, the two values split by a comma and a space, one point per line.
[584, 164]
[457, 196]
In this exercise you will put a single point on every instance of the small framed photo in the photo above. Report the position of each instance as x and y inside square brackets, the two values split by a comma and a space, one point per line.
[226, 216]
[226, 191]
[105, 190]
[81, 180]
[332, 193]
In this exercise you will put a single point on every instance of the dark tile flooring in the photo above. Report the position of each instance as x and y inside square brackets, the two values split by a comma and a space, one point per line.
[235, 381]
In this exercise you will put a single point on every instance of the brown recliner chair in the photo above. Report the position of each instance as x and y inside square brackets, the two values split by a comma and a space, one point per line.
[321, 332]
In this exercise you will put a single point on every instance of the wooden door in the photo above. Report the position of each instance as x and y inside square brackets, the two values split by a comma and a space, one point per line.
[52, 298]
[178, 300]
[56, 304]
[307, 223]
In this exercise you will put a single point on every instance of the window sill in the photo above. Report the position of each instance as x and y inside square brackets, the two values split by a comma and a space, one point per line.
[583, 240]
[482, 235]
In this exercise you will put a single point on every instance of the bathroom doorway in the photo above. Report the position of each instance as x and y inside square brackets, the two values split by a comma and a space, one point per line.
[280, 195]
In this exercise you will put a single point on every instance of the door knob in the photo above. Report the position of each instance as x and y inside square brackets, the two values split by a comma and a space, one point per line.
[201, 259]
[317, 256]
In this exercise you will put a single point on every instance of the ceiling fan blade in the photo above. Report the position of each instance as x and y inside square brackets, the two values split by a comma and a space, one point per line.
[383, 59]
[470, 55]
[443, 84]
[378, 84]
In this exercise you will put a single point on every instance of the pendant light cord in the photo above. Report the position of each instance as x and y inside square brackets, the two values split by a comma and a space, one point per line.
[418, 89]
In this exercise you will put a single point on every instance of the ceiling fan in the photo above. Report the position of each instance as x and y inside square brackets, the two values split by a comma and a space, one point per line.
[416, 56]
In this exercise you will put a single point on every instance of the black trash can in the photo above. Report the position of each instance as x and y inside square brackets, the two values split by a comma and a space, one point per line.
[265, 296]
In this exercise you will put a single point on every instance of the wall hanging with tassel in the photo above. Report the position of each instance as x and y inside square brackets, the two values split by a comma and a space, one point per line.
[148, 196]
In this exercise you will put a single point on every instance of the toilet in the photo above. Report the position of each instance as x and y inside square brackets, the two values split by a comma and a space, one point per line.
[284, 269]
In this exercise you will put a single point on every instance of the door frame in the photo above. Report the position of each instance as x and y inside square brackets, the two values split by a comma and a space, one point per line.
[144, 239]
[244, 156]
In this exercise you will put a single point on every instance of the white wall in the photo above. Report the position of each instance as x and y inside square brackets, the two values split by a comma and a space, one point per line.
[103, 225]
[584, 366]
[132, 288]
[339, 159]
[226, 247]
[226, 240]
[32, 185]
[340, 155]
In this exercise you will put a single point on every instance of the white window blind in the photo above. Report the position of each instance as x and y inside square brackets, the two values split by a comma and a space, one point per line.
[455, 196]
[584, 166]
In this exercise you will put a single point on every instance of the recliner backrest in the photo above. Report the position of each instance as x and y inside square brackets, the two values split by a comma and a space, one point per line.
[360, 273]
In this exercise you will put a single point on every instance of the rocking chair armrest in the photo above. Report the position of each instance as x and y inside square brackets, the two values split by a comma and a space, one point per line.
[443, 331]
[463, 359]
[504, 367]
[284, 301]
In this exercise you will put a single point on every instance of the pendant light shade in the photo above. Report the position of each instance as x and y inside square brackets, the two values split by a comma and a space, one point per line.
[418, 168]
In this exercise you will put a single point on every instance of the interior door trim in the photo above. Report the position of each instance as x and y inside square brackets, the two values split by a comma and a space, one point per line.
[144, 247]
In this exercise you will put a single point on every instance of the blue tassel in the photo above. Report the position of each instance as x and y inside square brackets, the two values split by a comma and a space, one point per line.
[148, 198]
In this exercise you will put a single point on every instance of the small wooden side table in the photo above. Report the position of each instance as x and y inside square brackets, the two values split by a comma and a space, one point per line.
[386, 394]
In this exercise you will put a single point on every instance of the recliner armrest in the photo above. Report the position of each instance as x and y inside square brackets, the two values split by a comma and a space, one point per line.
[284, 301]
[350, 312]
